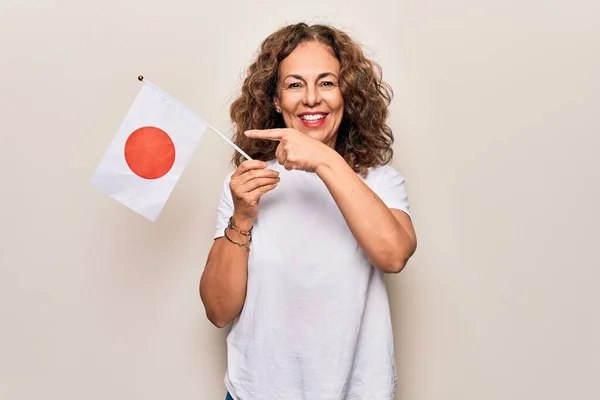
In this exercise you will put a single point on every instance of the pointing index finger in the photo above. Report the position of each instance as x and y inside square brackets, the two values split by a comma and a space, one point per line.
[270, 134]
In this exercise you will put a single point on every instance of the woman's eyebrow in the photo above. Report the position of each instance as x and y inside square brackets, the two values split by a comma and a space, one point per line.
[321, 75]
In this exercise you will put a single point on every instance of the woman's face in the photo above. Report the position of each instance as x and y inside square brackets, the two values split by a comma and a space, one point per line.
[309, 97]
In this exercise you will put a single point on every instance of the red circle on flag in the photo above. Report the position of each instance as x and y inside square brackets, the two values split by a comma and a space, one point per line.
[149, 152]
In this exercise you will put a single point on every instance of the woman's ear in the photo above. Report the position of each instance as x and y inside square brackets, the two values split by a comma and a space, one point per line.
[276, 104]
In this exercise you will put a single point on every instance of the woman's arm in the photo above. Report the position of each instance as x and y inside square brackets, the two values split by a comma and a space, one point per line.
[386, 235]
[223, 282]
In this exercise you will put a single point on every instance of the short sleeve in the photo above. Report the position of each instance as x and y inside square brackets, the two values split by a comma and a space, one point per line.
[224, 208]
[391, 189]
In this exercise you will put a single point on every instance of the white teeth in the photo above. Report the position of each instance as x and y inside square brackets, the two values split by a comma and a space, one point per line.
[312, 118]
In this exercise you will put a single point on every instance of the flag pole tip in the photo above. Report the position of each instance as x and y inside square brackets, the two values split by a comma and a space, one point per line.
[140, 78]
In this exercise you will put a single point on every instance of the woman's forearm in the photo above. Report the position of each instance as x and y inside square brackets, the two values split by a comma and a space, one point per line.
[378, 232]
[223, 282]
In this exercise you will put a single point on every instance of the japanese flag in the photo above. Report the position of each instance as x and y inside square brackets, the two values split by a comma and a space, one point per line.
[148, 154]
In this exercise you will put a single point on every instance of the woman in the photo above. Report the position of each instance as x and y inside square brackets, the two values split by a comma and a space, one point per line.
[307, 228]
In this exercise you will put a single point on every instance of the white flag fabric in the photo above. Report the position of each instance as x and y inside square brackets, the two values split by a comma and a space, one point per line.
[150, 151]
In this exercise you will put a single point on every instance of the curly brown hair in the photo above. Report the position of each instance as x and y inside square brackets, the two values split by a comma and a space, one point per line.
[364, 139]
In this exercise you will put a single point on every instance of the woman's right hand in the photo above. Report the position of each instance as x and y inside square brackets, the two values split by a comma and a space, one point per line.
[248, 183]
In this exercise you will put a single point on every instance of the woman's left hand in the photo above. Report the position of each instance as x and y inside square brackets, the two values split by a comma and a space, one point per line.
[296, 150]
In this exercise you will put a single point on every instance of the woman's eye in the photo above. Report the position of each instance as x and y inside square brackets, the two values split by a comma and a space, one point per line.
[294, 85]
[327, 84]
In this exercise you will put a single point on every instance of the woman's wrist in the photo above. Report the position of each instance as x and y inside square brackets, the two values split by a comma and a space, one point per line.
[329, 163]
[244, 238]
[241, 222]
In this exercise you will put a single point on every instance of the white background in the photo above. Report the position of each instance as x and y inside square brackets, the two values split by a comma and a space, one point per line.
[497, 133]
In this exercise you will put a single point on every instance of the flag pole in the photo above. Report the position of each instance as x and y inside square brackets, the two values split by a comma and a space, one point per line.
[230, 142]
[141, 78]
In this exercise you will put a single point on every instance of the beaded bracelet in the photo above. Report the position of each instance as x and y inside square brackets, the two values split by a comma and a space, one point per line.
[238, 243]
[230, 225]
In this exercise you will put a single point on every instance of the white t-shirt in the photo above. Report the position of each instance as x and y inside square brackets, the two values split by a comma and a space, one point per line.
[316, 320]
